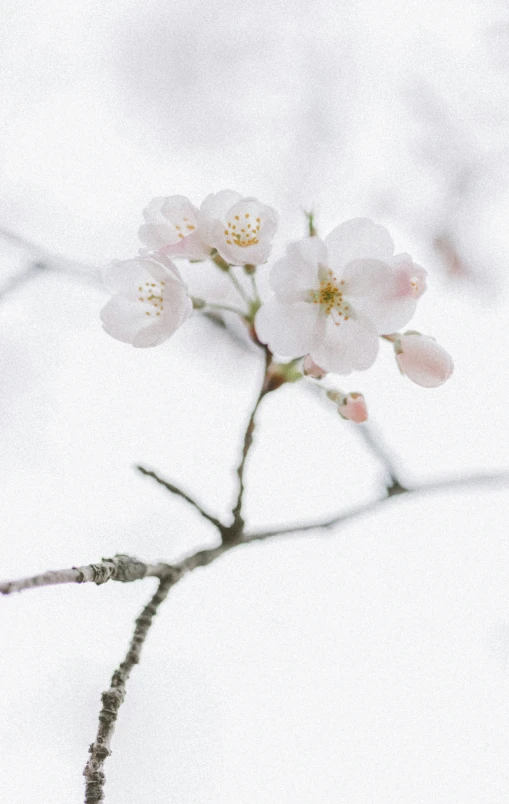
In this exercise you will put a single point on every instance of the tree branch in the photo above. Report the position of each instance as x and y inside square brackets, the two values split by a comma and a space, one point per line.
[113, 698]
[175, 490]
[120, 568]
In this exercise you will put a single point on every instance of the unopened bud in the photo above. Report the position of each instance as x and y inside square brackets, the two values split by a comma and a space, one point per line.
[423, 360]
[312, 369]
[353, 408]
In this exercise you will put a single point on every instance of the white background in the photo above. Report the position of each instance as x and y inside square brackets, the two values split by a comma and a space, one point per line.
[364, 666]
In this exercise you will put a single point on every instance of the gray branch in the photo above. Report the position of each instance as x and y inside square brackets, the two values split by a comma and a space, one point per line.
[120, 568]
[179, 493]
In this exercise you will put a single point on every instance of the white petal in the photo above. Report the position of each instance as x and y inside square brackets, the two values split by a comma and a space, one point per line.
[153, 335]
[124, 319]
[346, 347]
[216, 205]
[167, 221]
[214, 209]
[291, 330]
[357, 239]
[297, 273]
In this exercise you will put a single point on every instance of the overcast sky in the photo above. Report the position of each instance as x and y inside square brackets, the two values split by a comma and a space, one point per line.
[364, 666]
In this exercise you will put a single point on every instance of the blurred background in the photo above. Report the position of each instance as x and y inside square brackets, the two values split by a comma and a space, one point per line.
[364, 666]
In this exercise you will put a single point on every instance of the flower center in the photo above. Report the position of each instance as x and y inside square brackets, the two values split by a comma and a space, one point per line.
[184, 227]
[243, 231]
[151, 293]
[330, 296]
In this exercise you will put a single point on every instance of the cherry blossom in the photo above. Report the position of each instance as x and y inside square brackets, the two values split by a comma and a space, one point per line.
[150, 301]
[240, 229]
[171, 227]
[333, 298]
[422, 359]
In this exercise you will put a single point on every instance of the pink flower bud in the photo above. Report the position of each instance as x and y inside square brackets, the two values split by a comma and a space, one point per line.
[312, 369]
[423, 360]
[353, 407]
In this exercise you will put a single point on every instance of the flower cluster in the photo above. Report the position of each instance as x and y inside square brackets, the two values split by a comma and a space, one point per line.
[333, 299]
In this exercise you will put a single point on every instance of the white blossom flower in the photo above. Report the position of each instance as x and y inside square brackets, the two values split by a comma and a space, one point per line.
[171, 227]
[150, 301]
[422, 359]
[241, 229]
[334, 297]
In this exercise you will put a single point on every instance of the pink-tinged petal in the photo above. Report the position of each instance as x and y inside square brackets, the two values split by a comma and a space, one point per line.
[410, 278]
[358, 239]
[354, 408]
[293, 276]
[380, 293]
[423, 360]
[290, 330]
[191, 247]
[312, 369]
[347, 346]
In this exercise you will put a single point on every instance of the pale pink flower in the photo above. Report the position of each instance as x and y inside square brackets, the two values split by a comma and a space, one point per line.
[171, 227]
[334, 297]
[354, 408]
[422, 359]
[312, 369]
[241, 229]
[150, 301]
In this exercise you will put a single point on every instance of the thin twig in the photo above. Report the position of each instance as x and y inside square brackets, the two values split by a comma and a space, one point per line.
[120, 568]
[235, 532]
[377, 448]
[175, 490]
[480, 479]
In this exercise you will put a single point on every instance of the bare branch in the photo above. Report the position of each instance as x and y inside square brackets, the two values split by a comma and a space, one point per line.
[481, 479]
[113, 698]
[175, 490]
[120, 568]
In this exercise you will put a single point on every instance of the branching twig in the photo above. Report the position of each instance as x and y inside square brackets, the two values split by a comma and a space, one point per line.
[175, 490]
[378, 449]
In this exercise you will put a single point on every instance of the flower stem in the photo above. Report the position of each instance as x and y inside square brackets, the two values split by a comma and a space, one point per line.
[227, 307]
[239, 287]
